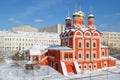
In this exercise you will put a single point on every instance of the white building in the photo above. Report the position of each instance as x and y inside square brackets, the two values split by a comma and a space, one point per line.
[111, 39]
[26, 28]
[58, 28]
[14, 41]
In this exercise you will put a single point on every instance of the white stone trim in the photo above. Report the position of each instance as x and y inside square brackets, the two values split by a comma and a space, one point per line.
[82, 55]
[87, 52]
[81, 44]
[87, 41]
[83, 50]
[81, 66]
[94, 64]
[84, 66]
[94, 52]
[77, 32]
[87, 36]
[105, 64]
[94, 41]
[90, 64]
[102, 50]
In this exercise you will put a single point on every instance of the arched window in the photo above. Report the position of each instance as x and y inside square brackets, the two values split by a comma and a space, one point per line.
[94, 44]
[94, 55]
[87, 44]
[87, 55]
[79, 44]
[80, 55]
[102, 53]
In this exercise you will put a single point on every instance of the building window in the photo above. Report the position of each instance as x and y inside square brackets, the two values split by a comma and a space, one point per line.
[66, 56]
[70, 55]
[87, 55]
[90, 66]
[94, 66]
[80, 66]
[94, 45]
[94, 55]
[85, 66]
[80, 55]
[87, 45]
[79, 44]
[102, 53]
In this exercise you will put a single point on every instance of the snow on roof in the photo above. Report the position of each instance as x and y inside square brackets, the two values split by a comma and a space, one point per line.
[84, 29]
[39, 46]
[67, 30]
[60, 48]
[75, 13]
[68, 18]
[38, 49]
[28, 34]
[102, 46]
[90, 15]
[73, 30]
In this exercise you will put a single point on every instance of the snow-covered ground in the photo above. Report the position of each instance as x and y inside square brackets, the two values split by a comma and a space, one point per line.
[12, 71]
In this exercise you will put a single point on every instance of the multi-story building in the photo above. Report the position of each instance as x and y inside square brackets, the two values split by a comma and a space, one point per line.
[112, 39]
[14, 41]
[58, 28]
[25, 28]
[80, 48]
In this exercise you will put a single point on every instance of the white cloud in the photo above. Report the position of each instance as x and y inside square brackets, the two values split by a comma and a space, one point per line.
[38, 20]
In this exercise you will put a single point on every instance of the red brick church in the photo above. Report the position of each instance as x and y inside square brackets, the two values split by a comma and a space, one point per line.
[80, 48]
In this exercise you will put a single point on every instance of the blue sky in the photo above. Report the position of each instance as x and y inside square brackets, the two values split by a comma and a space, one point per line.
[41, 13]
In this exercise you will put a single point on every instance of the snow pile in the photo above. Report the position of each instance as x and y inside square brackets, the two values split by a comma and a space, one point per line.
[18, 72]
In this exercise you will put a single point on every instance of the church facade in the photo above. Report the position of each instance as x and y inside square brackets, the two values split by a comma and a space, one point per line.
[80, 48]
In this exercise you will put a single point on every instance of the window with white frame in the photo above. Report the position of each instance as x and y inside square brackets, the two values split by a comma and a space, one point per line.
[105, 64]
[94, 44]
[80, 55]
[87, 43]
[94, 66]
[102, 52]
[90, 66]
[85, 66]
[80, 66]
[79, 44]
[94, 55]
[87, 55]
